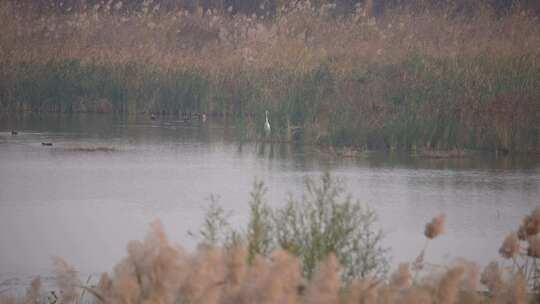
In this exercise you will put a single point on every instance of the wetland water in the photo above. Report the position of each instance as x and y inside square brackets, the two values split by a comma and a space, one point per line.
[83, 205]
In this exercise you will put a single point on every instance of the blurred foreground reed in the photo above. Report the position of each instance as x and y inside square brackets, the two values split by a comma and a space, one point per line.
[253, 266]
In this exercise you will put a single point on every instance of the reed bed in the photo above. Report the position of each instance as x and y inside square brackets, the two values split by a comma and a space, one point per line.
[430, 78]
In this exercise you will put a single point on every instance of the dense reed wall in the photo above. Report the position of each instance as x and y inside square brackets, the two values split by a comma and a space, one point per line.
[423, 78]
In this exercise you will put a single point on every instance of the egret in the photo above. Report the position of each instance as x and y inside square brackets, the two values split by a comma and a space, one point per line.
[267, 124]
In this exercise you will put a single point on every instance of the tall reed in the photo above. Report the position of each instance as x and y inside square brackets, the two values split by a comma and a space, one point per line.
[437, 78]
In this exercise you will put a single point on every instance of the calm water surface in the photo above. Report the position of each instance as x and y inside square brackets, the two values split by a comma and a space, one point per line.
[85, 206]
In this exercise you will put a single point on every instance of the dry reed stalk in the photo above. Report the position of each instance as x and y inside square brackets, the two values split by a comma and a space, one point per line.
[156, 272]
[534, 246]
[530, 225]
[510, 246]
[491, 277]
[67, 279]
[325, 285]
[281, 283]
[471, 275]
[417, 295]
[368, 291]
[447, 291]
[162, 39]
[402, 278]
[33, 293]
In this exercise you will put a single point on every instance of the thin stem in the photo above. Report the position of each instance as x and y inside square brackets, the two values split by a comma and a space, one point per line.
[83, 289]
[418, 268]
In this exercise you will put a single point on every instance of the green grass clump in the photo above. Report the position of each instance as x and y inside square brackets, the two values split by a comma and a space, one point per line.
[324, 221]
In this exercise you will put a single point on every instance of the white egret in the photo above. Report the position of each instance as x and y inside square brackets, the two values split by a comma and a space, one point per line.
[267, 124]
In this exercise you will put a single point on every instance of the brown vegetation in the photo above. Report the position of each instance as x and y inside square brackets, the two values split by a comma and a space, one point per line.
[155, 271]
[435, 227]
[422, 76]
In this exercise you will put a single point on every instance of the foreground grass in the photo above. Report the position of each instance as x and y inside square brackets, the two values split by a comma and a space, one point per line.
[428, 79]
[247, 267]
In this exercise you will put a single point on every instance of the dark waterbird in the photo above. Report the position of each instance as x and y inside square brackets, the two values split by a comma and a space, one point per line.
[46, 143]
[13, 132]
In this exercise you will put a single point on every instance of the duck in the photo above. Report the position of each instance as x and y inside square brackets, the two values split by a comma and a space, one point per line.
[46, 144]
[13, 132]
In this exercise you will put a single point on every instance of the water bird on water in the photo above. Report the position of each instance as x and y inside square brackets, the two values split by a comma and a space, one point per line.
[267, 124]
[13, 132]
[46, 143]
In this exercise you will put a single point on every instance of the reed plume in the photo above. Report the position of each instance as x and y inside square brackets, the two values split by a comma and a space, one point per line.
[435, 227]
[33, 293]
[530, 225]
[67, 280]
[510, 246]
[154, 271]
